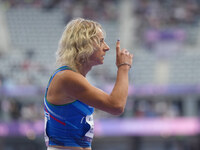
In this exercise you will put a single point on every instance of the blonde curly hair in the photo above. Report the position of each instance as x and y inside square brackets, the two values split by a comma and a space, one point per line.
[77, 43]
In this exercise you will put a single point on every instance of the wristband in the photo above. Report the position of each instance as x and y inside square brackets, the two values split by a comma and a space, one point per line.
[124, 64]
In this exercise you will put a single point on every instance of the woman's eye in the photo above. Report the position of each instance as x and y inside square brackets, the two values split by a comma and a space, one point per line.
[102, 40]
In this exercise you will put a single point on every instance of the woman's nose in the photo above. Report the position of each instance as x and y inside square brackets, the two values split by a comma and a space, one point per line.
[106, 48]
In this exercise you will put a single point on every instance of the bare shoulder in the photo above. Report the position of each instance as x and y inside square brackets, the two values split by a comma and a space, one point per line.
[71, 76]
[73, 81]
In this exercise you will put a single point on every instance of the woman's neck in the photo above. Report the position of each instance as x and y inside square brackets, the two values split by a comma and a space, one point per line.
[84, 69]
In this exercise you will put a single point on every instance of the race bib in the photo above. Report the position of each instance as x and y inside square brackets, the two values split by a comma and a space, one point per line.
[46, 118]
[90, 121]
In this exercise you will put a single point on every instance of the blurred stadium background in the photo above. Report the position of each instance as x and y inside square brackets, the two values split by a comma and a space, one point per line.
[163, 106]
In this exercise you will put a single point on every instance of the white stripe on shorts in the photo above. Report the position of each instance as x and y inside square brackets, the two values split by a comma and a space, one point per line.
[55, 148]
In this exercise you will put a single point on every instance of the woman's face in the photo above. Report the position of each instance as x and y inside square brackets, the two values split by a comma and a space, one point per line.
[99, 50]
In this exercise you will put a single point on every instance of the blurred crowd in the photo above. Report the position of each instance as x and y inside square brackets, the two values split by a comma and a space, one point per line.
[101, 10]
[16, 109]
[166, 21]
[159, 14]
[157, 108]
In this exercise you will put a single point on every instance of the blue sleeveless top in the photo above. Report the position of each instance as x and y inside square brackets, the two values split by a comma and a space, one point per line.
[70, 124]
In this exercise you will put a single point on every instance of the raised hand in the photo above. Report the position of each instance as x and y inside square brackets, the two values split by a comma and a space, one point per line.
[123, 57]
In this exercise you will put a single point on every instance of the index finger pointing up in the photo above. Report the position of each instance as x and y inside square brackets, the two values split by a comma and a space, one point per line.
[117, 47]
